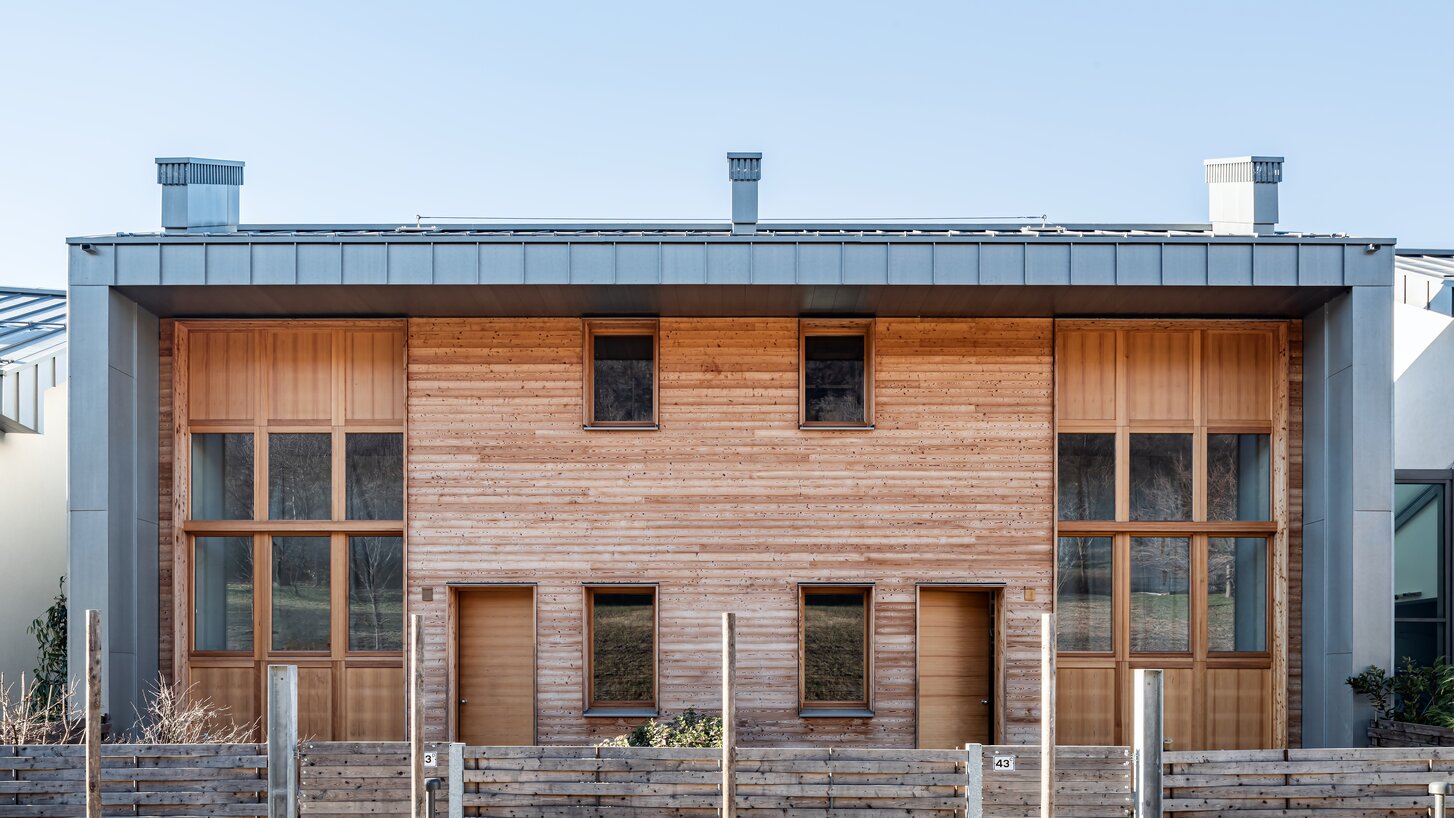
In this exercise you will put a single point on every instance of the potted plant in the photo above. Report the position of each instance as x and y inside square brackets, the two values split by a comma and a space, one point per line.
[1412, 708]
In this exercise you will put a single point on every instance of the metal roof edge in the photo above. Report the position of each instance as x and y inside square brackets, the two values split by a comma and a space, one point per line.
[31, 291]
[586, 237]
[1423, 251]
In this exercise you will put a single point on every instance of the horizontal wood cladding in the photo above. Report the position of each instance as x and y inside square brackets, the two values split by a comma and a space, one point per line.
[729, 505]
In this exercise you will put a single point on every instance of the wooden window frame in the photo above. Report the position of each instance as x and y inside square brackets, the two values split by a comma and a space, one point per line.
[615, 709]
[846, 709]
[593, 327]
[836, 327]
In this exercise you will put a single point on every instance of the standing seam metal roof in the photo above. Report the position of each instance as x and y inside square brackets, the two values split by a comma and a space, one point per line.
[32, 323]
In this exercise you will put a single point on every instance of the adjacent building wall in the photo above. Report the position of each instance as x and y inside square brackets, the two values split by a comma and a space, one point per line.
[33, 548]
[1423, 351]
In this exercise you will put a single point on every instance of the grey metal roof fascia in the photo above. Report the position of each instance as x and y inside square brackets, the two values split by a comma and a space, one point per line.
[961, 238]
[28, 291]
[1420, 251]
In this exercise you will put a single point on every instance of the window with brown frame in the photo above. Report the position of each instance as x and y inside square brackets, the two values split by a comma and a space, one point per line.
[834, 623]
[621, 647]
[835, 371]
[620, 373]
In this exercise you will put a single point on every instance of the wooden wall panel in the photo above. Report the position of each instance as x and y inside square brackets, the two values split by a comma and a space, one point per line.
[300, 375]
[1239, 376]
[1158, 376]
[221, 375]
[1086, 375]
[1237, 708]
[374, 376]
[1085, 705]
[233, 688]
[315, 704]
[166, 620]
[730, 505]
[374, 698]
[1179, 709]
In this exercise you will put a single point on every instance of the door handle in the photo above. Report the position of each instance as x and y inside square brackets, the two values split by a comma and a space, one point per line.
[984, 702]
[464, 701]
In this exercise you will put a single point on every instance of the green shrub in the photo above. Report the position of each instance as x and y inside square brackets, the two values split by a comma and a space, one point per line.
[690, 729]
[1414, 693]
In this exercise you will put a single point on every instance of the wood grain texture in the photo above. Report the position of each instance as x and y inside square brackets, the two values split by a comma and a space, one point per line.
[956, 667]
[496, 665]
[730, 505]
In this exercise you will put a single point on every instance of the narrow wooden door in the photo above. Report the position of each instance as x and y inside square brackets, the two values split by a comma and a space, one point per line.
[496, 670]
[956, 667]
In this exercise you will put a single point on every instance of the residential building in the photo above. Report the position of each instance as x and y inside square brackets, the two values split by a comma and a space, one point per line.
[890, 447]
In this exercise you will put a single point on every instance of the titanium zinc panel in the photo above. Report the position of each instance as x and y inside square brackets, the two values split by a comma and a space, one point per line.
[1093, 264]
[1138, 264]
[865, 264]
[365, 264]
[684, 264]
[1320, 265]
[820, 264]
[271, 264]
[1229, 265]
[911, 264]
[456, 264]
[1002, 264]
[98, 266]
[638, 263]
[138, 264]
[547, 264]
[502, 264]
[411, 264]
[183, 264]
[1047, 264]
[956, 264]
[1184, 265]
[320, 264]
[773, 263]
[228, 264]
[1362, 266]
[1274, 264]
[592, 263]
[728, 264]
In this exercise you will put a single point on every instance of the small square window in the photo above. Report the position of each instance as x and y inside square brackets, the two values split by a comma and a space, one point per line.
[621, 641]
[621, 374]
[837, 373]
[834, 641]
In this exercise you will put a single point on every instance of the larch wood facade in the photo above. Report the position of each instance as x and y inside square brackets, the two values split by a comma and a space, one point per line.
[728, 505]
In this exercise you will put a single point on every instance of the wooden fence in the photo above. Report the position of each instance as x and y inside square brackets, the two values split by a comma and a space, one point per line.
[1384, 781]
[136, 780]
[1091, 782]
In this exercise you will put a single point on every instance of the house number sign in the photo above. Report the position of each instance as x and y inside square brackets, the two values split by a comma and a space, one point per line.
[1002, 764]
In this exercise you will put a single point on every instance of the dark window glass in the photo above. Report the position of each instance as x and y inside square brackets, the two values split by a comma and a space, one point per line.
[833, 379]
[1086, 477]
[301, 602]
[375, 593]
[1239, 477]
[1160, 594]
[300, 482]
[1160, 477]
[222, 593]
[1419, 535]
[222, 476]
[835, 629]
[374, 476]
[624, 368]
[1236, 594]
[622, 647]
[1083, 594]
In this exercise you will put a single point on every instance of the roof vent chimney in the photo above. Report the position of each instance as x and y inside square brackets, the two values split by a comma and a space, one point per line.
[1242, 191]
[744, 169]
[199, 194]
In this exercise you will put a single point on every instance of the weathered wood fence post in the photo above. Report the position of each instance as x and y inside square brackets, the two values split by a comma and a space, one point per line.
[1148, 740]
[282, 741]
[974, 781]
[93, 713]
[418, 796]
[1047, 715]
[729, 715]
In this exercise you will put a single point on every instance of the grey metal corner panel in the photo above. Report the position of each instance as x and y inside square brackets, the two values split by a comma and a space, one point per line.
[592, 263]
[1372, 593]
[320, 264]
[819, 264]
[138, 264]
[411, 264]
[638, 264]
[502, 264]
[1274, 265]
[184, 264]
[1339, 324]
[1362, 267]
[1047, 264]
[1320, 265]
[87, 578]
[684, 264]
[88, 340]
[1372, 397]
[866, 264]
[1345, 719]
[1002, 264]
[1093, 264]
[1184, 265]
[774, 264]
[275, 264]
[120, 336]
[229, 264]
[911, 264]
[365, 264]
[1229, 265]
[729, 264]
[956, 264]
[1138, 264]
[456, 264]
[547, 264]
[96, 266]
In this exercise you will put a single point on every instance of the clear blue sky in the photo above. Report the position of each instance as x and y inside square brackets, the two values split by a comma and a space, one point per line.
[375, 112]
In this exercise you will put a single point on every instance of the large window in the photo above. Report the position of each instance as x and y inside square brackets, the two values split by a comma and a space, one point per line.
[834, 648]
[837, 373]
[621, 638]
[621, 377]
[1421, 566]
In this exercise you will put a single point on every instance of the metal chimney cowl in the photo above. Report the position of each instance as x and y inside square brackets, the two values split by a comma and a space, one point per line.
[744, 170]
[199, 194]
[1242, 194]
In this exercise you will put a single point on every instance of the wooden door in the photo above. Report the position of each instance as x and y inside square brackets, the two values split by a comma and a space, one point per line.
[496, 670]
[956, 667]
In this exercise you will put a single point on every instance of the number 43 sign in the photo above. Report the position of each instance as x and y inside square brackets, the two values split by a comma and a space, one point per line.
[1002, 763]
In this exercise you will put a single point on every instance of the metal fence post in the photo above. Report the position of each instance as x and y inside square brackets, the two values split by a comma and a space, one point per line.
[456, 780]
[1147, 740]
[282, 741]
[973, 781]
[1439, 789]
